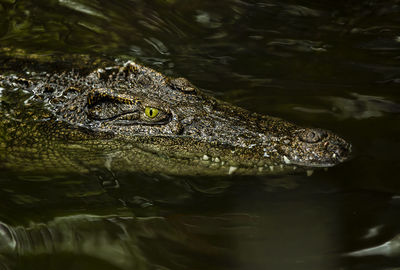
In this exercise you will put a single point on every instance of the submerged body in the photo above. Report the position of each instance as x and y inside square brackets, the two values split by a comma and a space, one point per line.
[132, 118]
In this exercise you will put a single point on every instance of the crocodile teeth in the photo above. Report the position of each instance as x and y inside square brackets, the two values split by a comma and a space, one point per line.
[310, 172]
[286, 160]
[213, 159]
[271, 168]
[232, 169]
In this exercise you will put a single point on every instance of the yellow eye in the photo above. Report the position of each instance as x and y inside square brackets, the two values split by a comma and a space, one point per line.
[151, 112]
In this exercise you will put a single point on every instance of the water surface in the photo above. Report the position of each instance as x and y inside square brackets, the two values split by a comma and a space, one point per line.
[334, 65]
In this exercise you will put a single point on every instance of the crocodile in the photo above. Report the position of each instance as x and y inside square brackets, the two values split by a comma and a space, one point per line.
[64, 116]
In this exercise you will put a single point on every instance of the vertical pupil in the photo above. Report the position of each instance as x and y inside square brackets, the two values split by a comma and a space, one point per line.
[151, 112]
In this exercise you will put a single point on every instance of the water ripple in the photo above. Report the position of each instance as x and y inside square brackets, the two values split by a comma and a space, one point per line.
[82, 8]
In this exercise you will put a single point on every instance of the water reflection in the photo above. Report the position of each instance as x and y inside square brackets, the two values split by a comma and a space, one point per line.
[357, 106]
[390, 248]
[174, 242]
[305, 230]
[83, 7]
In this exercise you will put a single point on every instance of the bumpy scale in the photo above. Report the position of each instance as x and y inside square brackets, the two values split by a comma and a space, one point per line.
[132, 118]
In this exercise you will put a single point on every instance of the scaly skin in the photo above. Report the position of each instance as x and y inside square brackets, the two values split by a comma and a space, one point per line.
[132, 118]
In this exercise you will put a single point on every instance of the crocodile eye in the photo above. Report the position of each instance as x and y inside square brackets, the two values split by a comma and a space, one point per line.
[151, 112]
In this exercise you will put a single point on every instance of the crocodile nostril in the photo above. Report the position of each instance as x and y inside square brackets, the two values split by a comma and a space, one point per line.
[339, 151]
[312, 135]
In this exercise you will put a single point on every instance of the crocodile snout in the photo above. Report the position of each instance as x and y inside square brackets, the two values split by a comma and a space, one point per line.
[313, 147]
[340, 150]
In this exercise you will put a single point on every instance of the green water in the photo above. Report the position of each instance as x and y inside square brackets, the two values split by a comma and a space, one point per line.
[328, 64]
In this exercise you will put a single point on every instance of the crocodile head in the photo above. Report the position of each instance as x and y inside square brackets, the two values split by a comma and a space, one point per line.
[168, 125]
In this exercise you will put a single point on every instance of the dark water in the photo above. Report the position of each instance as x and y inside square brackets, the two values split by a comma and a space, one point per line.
[329, 64]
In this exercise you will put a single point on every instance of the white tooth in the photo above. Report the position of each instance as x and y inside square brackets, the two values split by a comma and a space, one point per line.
[294, 168]
[232, 169]
[260, 169]
[271, 168]
[108, 162]
[223, 163]
[334, 155]
[286, 160]
[217, 159]
[310, 172]
[212, 159]
[281, 166]
[205, 157]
